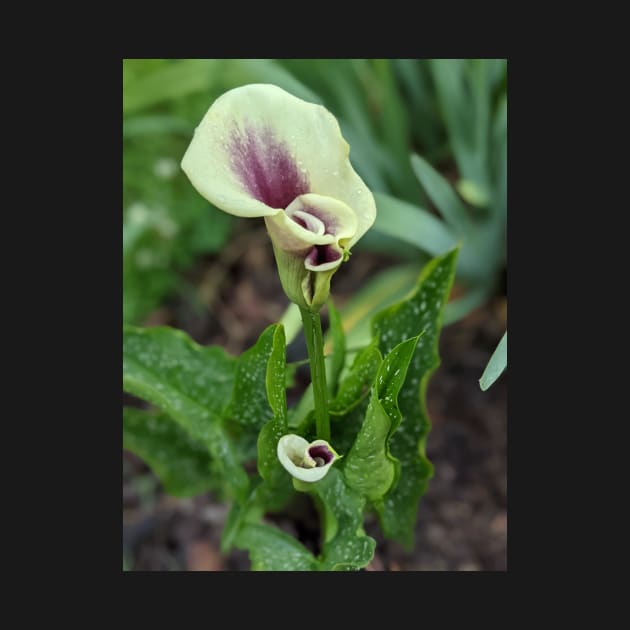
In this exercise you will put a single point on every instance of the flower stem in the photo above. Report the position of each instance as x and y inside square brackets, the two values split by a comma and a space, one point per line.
[315, 347]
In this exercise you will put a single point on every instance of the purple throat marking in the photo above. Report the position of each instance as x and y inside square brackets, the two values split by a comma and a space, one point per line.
[265, 167]
[321, 254]
[321, 453]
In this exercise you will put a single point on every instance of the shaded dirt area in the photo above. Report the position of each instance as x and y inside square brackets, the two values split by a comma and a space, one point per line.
[462, 522]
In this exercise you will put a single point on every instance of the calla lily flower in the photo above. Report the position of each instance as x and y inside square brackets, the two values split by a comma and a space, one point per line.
[261, 152]
[304, 460]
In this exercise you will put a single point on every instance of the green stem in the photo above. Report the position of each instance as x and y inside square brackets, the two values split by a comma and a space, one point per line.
[315, 347]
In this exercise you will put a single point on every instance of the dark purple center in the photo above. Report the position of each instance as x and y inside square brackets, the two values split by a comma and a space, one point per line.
[265, 167]
[321, 452]
[321, 254]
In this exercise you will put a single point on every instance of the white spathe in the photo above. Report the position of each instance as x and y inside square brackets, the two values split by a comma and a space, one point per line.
[293, 453]
[261, 152]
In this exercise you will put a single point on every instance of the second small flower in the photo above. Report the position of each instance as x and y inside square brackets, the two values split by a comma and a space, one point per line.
[306, 461]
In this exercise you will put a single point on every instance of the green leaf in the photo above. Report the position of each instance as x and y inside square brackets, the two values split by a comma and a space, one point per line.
[499, 158]
[369, 467]
[496, 364]
[249, 511]
[237, 72]
[168, 366]
[353, 389]
[382, 290]
[306, 404]
[181, 463]
[451, 78]
[481, 95]
[249, 406]
[291, 320]
[232, 526]
[393, 117]
[393, 121]
[414, 75]
[466, 92]
[275, 489]
[275, 376]
[368, 158]
[345, 428]
[191, 383]
[412, 224]
[162, 124]
[172, 80]
[208, 231]
[338, 356]
[269, 466]
[422, 311]
[391, 376]
[442, 195]
[272, 550]
[472, 193]
[346, 546]
[348, 410]
[459, 308]
[358, 382]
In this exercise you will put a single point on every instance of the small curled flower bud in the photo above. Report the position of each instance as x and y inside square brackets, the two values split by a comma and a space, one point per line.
[306, 461]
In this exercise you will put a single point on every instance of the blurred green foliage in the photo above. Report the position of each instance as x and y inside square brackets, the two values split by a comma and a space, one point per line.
[450, 114]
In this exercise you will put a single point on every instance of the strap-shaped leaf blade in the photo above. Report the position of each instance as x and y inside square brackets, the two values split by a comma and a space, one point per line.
[189, 382]
[499, 158]
[412, 224]
[442, 195]
[182, 464]
[496, 364]
[452, 81]
[420, 313]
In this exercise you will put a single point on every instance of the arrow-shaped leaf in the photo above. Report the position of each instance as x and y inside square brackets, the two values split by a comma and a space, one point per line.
[420, 313]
